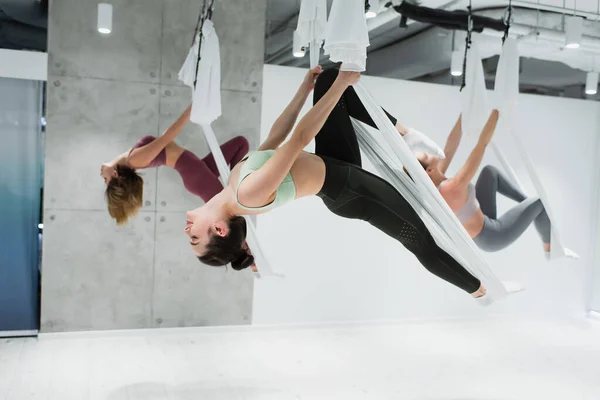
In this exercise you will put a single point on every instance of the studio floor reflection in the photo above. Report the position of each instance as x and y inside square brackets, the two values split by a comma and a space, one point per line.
[494, 359]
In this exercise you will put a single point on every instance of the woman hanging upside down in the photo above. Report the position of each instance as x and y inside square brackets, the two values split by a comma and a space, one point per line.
[276, 174]
[124, 187]
[475, 205]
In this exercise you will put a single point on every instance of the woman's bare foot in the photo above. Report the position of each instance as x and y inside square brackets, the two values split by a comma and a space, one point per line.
[402, 130]
[547, 251]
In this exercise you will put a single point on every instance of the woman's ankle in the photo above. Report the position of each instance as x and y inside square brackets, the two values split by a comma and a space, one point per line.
[547, 247]
[480, 292]
[402, 130]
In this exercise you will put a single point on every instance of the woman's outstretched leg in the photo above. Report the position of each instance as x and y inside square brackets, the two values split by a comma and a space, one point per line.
[368, 197]
[372, 199]
[497, 234]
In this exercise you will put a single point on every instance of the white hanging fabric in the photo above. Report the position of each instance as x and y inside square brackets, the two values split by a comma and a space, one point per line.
[506, 86]
[474, 98]
[389, 153]
[505, 99]
[206, 99]
[187, 73]
[346, 37]
[206, 107]
[312, 22]
[506, 90]
[475, 109]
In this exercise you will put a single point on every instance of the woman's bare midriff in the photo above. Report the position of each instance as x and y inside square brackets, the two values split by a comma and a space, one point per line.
[308, 173]
[456, 198]
[474, 225]
[174, 151]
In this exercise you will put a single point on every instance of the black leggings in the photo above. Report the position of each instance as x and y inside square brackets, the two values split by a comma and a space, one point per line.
[351, 192]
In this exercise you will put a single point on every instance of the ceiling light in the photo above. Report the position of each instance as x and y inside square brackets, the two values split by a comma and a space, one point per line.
[373, 7]
[297, 47]
[573, 32]
[105, 18]
[591, 83]
[456, 63]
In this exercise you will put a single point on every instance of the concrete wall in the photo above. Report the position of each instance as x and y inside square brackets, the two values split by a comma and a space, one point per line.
[104, 92]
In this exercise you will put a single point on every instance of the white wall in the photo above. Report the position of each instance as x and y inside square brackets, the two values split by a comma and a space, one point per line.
[23, 65]
[338, 270]
[593, 279]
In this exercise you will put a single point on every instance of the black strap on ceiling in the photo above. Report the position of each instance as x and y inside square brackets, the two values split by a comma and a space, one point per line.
[455, 19]
[467, 46]
[206, 13]
[198, 24]
[507, 21]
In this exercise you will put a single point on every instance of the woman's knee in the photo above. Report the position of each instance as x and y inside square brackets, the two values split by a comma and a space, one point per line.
[325, 80]
[489, 170]
[537, 205]
[488, 175]
[241, 143]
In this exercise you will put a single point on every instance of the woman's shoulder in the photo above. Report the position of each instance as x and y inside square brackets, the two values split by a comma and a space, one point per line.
[451, 186]
[135, 150]
[256, 158]
[144, 140]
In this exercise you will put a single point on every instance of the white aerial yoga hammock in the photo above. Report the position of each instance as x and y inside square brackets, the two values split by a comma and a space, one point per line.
[475, 107]
[206, 107]
[312, 22]
[388, 151]
[506, 92]
[346, 36]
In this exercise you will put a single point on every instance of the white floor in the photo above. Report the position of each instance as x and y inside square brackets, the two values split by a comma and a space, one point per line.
[485, 360]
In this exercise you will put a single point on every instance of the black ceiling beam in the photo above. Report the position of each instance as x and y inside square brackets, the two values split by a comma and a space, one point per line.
[455, 19]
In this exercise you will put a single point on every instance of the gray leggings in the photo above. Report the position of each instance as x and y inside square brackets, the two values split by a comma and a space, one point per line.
[498, 233]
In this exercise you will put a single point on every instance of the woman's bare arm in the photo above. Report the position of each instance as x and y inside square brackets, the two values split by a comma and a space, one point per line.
[284, 124]
[451, 145]
[144, 155]
[469, 169]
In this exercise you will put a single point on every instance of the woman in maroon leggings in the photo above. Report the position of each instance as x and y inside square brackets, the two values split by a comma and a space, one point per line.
[124, 187]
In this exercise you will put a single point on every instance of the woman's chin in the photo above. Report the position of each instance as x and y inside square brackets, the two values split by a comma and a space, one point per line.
[192, 214]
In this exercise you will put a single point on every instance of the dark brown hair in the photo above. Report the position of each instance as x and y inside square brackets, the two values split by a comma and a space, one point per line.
[228, 249]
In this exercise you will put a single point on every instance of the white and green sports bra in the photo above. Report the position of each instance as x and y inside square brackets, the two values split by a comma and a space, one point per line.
[286, 191]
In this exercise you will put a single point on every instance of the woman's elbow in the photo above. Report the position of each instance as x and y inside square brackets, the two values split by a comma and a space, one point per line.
[303, 136]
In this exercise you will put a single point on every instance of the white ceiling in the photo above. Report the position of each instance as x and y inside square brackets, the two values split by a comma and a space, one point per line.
[545, 65]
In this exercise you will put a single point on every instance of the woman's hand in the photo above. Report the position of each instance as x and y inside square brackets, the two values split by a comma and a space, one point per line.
[311, 77]
[108, 171]
[187, 112]
[348, 78]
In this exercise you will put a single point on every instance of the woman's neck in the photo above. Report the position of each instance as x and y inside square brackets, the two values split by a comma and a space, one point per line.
[120, 160]
[223, 202]
[438, 179]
